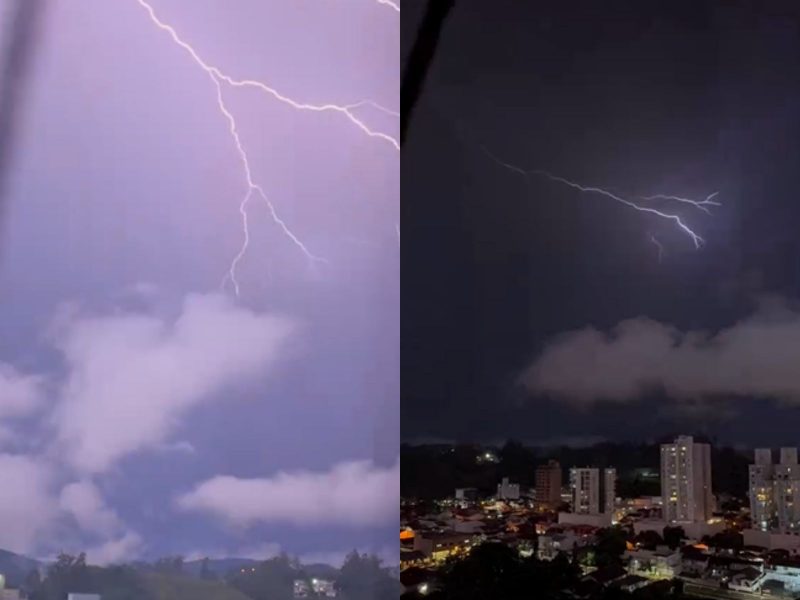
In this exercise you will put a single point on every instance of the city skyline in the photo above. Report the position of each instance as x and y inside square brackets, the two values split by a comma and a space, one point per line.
[600, 301]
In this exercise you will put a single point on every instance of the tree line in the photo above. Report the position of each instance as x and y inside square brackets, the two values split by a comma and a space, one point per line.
[361, 577]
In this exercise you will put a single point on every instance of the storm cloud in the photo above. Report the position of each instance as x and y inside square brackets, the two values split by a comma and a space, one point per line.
[132, 375]
[756, 356]
[350, 493]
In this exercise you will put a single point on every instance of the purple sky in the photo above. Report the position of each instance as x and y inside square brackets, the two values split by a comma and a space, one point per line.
[142, 412]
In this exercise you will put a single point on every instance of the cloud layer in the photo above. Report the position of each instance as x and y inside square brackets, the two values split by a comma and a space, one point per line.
[83, 501]
[757, 356]
[350, 493]
[115, 551]
[131, 376]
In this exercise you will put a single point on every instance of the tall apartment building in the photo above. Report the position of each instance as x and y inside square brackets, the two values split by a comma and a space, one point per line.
[507, 490]
[686, 481]
[593, 490]
[775, 491]
[762, 499]
[548, 485]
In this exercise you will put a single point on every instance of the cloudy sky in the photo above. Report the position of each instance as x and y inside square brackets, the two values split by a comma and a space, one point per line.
[533, 310]
[145, 410]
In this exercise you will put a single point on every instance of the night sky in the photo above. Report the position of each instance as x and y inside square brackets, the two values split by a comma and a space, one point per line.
[501, 277]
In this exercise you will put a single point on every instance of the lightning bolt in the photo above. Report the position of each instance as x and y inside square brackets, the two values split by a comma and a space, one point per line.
[390, 4]
[375, 105]
[218, 77]
[700, 204]
[696, 239]
[659, 246]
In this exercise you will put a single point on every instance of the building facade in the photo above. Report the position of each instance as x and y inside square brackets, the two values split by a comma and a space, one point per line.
[467, 494]
[762, 500]
[440, 546]
[548, 485]
[775, 491]
[507, 490]
[593, 490]
[686, 481]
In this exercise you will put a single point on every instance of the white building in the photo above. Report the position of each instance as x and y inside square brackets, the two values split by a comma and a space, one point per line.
[694, 530]
[507, 490]
[762, 506]
[788, 575]
[550, 545]
[686, 481]
[787, 491]
[314, 588]
[775, 491]
[593, 491]
[661, 563]
[772, 540]
[608, 492]
[467, 494]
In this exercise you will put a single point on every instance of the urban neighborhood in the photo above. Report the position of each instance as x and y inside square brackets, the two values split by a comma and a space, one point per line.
[687, 540]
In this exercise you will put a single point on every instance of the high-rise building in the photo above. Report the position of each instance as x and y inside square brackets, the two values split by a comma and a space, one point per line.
[787, 491]
[762, 501]
[593, 490]
[548, 485]
[775, 491]
[608, 491]
[507, 490]
[686, 481]
[585, 489]
[467, 494]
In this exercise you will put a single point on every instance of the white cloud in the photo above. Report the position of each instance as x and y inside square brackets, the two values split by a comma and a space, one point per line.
[757, 356]
[351, 493]
[132, 376]
[27, 506]
[83, 501]
[116, 551]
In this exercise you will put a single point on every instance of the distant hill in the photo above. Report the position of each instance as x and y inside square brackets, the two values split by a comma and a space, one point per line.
[16, 567]
[218, 566]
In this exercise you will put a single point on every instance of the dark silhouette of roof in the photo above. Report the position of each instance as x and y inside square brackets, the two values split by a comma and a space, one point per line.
[415, 576]
[629, 580]
[606, 575]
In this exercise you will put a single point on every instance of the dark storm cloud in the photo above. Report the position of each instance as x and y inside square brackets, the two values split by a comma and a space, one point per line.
[756, 356]
[642, 98]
